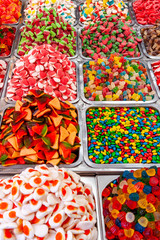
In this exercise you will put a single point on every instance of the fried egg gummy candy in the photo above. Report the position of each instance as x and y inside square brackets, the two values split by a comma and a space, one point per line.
[46, 204]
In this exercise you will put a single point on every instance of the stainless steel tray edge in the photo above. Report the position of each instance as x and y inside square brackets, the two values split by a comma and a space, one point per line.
[103, 181]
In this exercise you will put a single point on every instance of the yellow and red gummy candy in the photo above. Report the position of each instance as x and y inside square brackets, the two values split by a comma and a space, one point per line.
[10, 11]
[131, 205]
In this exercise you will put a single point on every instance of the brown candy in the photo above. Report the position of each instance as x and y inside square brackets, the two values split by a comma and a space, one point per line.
[151, 38]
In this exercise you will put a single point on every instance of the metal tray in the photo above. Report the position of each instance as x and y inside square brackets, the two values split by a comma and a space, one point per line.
[7, 60]
[112, 167]
[117, 102]
[9, 76]
[143, 46]
[92, 181]
[20, 167]
[19, 38]
[154, 78]
[134, 15]
[103, 181]
[88, 58]
[129, 11]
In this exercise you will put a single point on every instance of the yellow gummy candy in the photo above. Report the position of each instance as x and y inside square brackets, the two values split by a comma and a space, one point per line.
[131, 189]
[121, 198]
[142, 203]
[143, 221]
[114, 213]
[110, 224]
[137, 174]
[150, 208]
[129, 232]
[151, 172]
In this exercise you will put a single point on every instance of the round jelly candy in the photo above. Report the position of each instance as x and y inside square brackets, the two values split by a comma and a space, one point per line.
[131, 189]
[151, 172]
[141, 211]
[122, 184]
[134, 197]
[143, 221]
[156, 190]
[117, 205]
[153, 181]
[142, 203]
[114, 229]
[109, 234]
[139, 186]
[150, 217]
[156, 216]
[148, 232]
[150, 208]
[144, 174]
[121, 215]
[121, 198]
[118, 222]
[106, 192]
[114, 213]
[137, 236]
[147, 189]
[131, 204]
[151, 198]
[121, 233]
[125, 224]
[110, 224]
[137, 173]
[158, 225]
[130, 217]
[129, 232]
[151, 225]
[139, 228]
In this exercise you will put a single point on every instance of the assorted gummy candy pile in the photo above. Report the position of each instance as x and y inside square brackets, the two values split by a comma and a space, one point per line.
[7, 36]
[131, 205]
[116, 78]
[10, 11]
[123, 135]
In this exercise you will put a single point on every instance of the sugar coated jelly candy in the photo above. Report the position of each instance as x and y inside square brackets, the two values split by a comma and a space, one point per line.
[130, 217]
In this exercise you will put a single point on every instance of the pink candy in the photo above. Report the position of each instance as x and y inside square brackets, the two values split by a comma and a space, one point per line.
[3, 67]
[43, 68]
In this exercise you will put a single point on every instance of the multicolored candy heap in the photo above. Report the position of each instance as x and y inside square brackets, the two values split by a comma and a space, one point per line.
[65, 8]
[10, 11]
[156, 70]
[91, 9]
[116, 78]
[123, 135]
[131, 205]
[43, 68]
[47, 204]
[39, 129]
[48, 27]
[3, 68]
[109, 35]
[7, 36]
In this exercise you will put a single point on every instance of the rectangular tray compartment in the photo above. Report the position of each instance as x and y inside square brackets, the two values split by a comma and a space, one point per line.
[20, 167]
[117, 102]
[112, 167]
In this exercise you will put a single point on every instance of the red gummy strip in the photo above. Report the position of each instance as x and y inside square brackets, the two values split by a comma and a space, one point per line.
[146, 11]
[156, 70]
[7, 35]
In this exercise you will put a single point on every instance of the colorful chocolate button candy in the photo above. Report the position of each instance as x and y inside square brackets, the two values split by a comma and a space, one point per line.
[39, 129]
[43, 68]
[116, 79]
[123, 135]
[135, 218]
